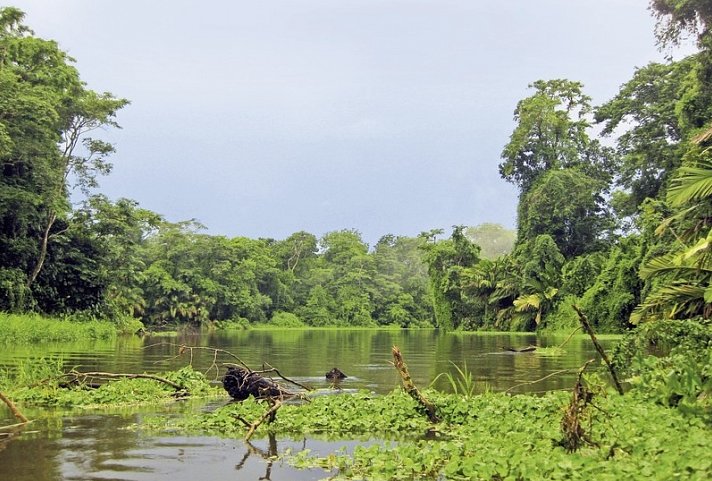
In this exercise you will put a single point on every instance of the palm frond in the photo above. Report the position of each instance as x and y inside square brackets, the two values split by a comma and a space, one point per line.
[692, 184]
[527, 302]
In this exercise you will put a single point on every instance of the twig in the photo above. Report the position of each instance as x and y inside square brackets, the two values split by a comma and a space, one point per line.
[75, 375]
[182, 348]
[15, 412]
[275, 370]
[570, 336]
[589, 330]
[270, 413]
[410, 387]
[525, 383]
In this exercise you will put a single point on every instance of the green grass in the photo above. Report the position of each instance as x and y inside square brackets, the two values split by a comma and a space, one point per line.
[33, 328]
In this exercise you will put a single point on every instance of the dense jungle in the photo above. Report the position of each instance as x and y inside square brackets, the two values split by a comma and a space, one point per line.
[613, 226]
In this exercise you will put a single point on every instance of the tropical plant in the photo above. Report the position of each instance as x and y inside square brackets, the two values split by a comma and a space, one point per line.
[683, 275]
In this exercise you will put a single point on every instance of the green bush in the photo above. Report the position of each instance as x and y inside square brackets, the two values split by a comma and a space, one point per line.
[285, 319]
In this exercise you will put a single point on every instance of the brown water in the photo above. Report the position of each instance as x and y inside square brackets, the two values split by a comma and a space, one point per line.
[95, 446]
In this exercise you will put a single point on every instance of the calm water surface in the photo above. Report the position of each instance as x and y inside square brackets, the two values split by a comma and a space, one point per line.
[99, 446]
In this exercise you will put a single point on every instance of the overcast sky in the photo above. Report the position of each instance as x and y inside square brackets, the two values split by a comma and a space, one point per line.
[263, 118]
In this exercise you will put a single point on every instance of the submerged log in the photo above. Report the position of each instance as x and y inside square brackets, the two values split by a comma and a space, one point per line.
[523, 349]
[335, 374]
[242, 383]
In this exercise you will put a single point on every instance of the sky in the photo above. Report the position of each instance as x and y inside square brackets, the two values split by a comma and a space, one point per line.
[261, 119]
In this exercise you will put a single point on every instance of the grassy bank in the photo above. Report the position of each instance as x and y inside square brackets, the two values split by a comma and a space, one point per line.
[33, 328]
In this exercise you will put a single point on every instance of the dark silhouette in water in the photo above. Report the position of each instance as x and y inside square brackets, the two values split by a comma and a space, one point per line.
[335, 374]
[241, 384]
[523, 349]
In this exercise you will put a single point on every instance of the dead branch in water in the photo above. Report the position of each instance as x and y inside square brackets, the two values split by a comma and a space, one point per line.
[526, 383]
[241, 384]
[410, 387]
[183, 348]
[268, 369]
[589, 330]
[269, 415]
[13, 409]
[76, 377]
[574, 434]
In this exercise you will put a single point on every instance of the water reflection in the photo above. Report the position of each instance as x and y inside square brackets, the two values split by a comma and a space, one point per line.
[305, 355]
[106, 447]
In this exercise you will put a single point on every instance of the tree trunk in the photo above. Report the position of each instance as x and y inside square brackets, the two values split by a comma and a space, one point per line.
[43, 249]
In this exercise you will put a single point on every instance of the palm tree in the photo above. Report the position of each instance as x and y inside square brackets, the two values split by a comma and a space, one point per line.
[685, 273]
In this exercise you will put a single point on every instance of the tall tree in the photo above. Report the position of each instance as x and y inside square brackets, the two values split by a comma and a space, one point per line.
[46, 114]
[568, 206]
[551, 133]
[648, 106]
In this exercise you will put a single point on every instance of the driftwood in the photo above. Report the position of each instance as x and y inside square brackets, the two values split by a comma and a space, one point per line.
[589, 330]
[410, 387]
[13, 409]
[523, 349]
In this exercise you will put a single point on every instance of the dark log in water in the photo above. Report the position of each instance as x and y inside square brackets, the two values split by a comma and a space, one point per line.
[241, 383]
[335, 374]
[523, 349]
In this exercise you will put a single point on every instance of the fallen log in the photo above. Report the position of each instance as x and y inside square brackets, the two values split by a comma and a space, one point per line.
[523, 349]
[83, 378]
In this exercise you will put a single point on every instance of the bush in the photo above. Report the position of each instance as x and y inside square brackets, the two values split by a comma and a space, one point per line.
[285, 319]
[670, 362]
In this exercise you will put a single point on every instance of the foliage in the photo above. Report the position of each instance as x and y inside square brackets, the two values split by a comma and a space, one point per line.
[447, 262]
[616, 291]
[29, 328]
[567, 205]
[551, 134]
[490, 436]
[650, 147]
[494, 240]
[669, 363]
[285, 319]
[46, 115]
[681, 277]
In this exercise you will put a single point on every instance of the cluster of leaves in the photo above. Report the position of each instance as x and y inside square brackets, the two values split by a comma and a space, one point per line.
[669, 362]
[491, 436]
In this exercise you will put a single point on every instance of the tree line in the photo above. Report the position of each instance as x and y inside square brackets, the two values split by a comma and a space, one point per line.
[616, 221]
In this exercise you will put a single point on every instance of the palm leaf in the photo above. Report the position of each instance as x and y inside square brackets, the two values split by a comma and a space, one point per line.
[670, 300]
[527, 302]
[692, 184]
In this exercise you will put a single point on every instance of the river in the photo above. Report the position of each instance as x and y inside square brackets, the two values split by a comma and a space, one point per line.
[106, 446]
